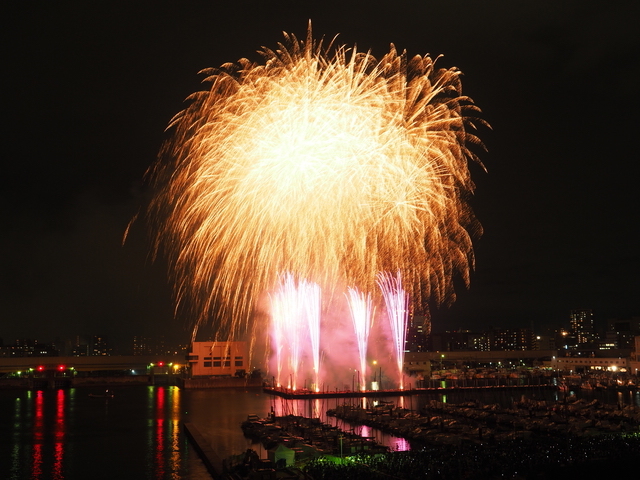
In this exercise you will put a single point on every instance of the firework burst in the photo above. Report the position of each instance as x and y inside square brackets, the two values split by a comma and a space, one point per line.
[321, 161]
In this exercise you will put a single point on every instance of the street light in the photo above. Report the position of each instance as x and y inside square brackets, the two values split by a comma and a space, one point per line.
[375, 385]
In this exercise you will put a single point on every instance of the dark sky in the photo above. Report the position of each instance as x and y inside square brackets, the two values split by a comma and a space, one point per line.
[89, 88]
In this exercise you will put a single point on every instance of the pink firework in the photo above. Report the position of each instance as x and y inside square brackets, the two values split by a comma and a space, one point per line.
[362, 315]
[397, 302]
[312, 303]
[293, 305]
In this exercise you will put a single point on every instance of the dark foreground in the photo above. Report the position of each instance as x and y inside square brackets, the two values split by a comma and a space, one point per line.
[530, 440]
[595, 457]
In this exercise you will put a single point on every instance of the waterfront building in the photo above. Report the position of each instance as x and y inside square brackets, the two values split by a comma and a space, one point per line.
[218, 358]
[422, 363]
[590, 364]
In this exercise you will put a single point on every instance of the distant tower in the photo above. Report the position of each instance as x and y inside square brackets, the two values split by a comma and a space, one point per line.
[582, 325]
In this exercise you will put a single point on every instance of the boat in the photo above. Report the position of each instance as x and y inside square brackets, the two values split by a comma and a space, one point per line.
[106, 394]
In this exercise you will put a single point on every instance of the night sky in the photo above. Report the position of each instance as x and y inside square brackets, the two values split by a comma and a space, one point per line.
[89, 88]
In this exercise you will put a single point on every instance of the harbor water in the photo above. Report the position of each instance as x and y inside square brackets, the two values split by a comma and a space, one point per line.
[138, 434]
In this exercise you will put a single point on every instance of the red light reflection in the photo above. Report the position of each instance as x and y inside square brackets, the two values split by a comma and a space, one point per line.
[58, 438]
[159, 454]
[38, 436]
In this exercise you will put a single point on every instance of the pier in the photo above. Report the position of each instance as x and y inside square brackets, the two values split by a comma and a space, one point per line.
[308, 394]
[210, 459]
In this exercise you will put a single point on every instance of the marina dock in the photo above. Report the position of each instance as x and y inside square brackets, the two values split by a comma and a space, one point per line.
[308, 394]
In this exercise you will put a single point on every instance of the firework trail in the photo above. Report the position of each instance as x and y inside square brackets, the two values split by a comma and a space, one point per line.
[293, 306]
[313, 300]
[397, 303]
[283, 313]
[321, 161]
[361, 310]
[287, 310]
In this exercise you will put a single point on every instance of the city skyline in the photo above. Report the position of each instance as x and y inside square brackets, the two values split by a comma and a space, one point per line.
[92, 90]
[582, 333]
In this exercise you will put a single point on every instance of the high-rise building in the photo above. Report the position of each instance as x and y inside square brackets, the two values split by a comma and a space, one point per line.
[582, 327]
[623, 331]
[510, 339]
[80, 350]
[141, 345]
[100, 346]
[417, 333]
[544, 342]
[480, 341]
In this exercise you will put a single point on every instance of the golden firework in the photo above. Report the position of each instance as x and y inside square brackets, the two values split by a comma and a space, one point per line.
[321, 161]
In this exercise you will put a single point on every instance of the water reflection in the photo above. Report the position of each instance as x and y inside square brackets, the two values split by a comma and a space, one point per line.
[58, 437]
[66, 433]
[317, 408]
[15, 448]
[175, 459]
[159, 433]
[63, 434]
[164, 434]
[38, 436]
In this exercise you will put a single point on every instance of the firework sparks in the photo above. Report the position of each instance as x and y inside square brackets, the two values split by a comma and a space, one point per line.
[312, 304]
[294, 305]
[397, 303]
[362, 316]
[320, 161]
